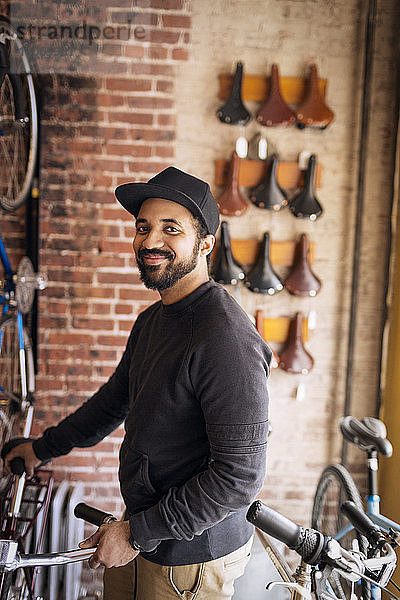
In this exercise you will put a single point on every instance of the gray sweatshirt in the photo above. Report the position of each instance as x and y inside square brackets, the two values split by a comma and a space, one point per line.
[192, 389]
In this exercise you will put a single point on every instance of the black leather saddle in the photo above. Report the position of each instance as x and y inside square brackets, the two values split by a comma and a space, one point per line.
[368, 434]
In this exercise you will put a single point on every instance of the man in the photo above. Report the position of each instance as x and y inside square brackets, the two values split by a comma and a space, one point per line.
[192, 389]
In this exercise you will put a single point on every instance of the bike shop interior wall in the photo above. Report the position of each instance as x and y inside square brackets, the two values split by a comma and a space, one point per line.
[149, 102]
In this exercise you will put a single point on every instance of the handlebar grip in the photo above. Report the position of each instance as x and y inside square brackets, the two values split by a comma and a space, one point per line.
[92, 515]
[273, 523]
[309, 543]
[362, 522]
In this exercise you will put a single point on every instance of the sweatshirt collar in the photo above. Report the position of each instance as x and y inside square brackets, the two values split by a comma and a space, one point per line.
[170, 310]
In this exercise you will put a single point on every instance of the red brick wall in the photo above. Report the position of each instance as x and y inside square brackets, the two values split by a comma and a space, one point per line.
[97, 131]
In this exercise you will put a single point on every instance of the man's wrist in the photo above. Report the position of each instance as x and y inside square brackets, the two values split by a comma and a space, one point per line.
[134, 544]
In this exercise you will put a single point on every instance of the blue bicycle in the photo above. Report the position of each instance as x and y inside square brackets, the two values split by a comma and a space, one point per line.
[17, 377]
[336, 486]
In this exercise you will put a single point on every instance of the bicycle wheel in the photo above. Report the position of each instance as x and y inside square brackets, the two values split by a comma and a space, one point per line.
[18, 120]
[334, 487]
[17, 378]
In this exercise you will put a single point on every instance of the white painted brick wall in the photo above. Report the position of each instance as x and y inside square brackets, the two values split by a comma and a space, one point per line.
[292, 33]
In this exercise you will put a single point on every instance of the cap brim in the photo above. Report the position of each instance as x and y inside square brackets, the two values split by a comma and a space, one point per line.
[132, 195]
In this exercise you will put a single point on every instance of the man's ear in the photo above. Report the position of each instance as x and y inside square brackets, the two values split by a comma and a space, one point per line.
[207, 245]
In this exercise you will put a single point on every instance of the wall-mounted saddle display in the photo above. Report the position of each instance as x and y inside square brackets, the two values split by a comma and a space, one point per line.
[261, 278]
[269, 194]
[231, 202]
[233, 112]
[304, 204]
[313, 111]
[301, 281]
[294, 358]
[275, 112]
[225, 269]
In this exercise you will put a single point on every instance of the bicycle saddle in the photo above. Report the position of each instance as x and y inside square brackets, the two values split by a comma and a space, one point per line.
[233, 112]
[368, 434]
[305, 205]
[225, 269]
[295, 358]
[313, 112]
[262, 279]
[275, 111]
[269, 194]
[231, 201]
[301, 280]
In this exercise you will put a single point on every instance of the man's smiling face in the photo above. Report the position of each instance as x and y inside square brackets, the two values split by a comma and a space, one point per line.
[166, 243]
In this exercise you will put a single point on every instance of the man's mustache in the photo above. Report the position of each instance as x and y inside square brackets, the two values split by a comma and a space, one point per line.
[145, 252]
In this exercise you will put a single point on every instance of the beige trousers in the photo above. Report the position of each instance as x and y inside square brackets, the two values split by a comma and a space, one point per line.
[211, 580]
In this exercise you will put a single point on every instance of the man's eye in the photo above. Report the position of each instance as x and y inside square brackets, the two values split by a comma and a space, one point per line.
[171, 229]
[141, 229]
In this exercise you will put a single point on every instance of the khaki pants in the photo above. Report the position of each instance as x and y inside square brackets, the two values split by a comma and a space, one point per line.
[211, 580]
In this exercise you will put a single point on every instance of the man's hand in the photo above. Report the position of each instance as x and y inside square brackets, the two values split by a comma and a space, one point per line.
[113, 547]
[24, 451]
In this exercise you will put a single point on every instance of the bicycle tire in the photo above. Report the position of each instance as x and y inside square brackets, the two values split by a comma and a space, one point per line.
[334, 487]
[18, 122]
[15, 386]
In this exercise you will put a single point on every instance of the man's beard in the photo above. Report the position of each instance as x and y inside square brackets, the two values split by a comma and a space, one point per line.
[169, 274]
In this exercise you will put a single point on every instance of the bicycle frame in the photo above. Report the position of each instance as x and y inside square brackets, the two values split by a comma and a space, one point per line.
[373, 509]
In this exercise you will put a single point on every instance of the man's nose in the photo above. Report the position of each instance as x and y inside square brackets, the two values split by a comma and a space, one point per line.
[153, 239]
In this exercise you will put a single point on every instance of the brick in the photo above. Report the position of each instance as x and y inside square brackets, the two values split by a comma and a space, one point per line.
[123, 309]
[149, 102]
[157, 52]
[165, 86]
[152, 135]
[157, 36]
[130, 117]
[134, 51]
[180, 54]
[177, 21]
[92, 324]
[110, 100]
[116, 246]
[148, 167]
[109, 340]
[164, 151]
[128, 85]
[167, 4]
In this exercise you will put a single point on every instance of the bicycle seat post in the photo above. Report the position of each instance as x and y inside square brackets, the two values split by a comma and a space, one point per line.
[372, 482]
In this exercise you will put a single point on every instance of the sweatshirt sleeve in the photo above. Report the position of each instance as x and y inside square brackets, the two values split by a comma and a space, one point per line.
[96, 418]
[230, 382]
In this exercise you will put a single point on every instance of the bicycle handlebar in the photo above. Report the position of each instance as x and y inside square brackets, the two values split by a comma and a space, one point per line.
[362, 523]
[11, 559]
[309, 543]
[92, 515]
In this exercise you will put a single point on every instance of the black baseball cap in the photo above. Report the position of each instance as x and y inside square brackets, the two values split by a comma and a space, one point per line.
[177, 186]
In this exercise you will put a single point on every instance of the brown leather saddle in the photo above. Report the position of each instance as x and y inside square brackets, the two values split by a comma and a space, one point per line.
[262, 278]
[313, 112]
[275, 111]
[231, 201]
[233, 112]
[269, 194]
[225, 269]
[295, 358]
[301, 281]
[368, 434]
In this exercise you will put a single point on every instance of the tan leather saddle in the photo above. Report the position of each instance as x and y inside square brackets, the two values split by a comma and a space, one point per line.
[231, 201]
[275, 111]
